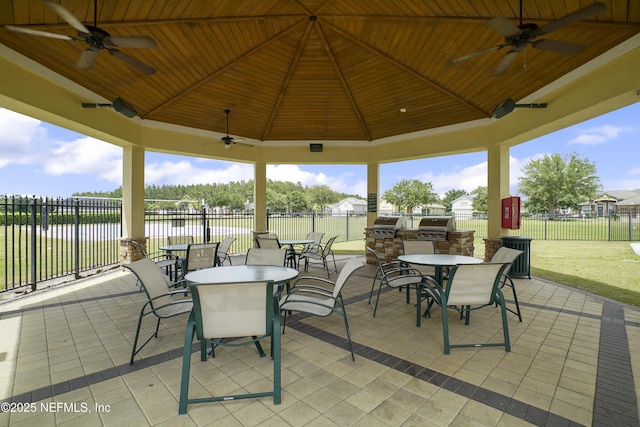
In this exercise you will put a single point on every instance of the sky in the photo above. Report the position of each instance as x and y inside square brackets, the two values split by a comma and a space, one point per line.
[37, 158]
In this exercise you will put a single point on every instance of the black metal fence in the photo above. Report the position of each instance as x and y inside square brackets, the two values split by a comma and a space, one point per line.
[44, 238]
[205, 226]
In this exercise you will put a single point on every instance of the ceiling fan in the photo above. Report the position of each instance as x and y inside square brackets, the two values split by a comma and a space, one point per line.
[229, 140]
[520, 36]
[96, 39]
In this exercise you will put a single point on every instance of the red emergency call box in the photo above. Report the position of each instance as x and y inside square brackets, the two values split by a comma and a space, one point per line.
[511, 213]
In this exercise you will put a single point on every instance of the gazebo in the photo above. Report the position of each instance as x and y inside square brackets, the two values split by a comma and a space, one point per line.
[353, 82]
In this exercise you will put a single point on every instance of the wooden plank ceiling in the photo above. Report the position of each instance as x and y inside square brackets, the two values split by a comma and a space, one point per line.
[314, 69]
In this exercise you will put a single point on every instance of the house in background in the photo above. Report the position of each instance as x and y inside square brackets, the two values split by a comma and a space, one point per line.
[433, 209]
[614, 202]
[386, 208]
[349, 206]
[462, 207]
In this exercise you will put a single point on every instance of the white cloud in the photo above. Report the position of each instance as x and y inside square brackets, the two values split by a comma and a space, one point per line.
[86, 156]
[343, 183]
[468, 178]
[185, 173]
[21, 138]
[599, 135]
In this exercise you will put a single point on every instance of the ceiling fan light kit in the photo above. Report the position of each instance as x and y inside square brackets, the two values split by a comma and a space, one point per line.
[228, 140]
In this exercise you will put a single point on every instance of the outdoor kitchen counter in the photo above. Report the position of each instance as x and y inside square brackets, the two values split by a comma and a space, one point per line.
[458, 242]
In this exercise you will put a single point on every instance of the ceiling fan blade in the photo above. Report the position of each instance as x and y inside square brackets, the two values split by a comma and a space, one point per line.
[478, 53]
[503, 26]
[573, 17]
[67, 16]
[132, 42]
[558, 46]
[132, 61]
[505, 63]
[38, 33]
[87, 59]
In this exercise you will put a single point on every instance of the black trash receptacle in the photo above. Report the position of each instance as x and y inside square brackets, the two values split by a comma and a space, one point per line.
[522, 265]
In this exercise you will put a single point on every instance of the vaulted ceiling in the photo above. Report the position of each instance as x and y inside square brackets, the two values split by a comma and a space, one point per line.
[342, 70]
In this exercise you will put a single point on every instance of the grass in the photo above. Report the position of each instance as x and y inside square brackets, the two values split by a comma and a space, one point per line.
[607, 269]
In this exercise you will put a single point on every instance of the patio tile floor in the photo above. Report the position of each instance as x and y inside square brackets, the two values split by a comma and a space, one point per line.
[66, 350]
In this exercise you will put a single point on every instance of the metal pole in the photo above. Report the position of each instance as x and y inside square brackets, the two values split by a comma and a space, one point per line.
[347, 236]
[76, 240]
[33, 244]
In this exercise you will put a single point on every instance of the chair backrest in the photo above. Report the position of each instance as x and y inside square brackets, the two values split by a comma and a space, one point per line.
[233, 310]
[378, 260]
[179, 240]
[315, 236]
[268, 241]
[327, 247]
[505, 254]
[226, 244]
[348, 269]
[474, 284]
[262, 256]
[152, 280]
[418, 247]
[201, 255]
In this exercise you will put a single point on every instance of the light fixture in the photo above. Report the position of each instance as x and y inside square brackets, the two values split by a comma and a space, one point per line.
[508, 105]
[119, 105]
[315, 148]
[227, 146]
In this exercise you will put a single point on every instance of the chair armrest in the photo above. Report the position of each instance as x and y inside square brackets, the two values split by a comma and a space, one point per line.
[433, 288]
[174, 302]
[310, 290]
[313, 279]
[312, 248]
[308, 282]
[401, 271]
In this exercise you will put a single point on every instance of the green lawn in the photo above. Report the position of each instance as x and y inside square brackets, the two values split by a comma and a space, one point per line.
[608, 269]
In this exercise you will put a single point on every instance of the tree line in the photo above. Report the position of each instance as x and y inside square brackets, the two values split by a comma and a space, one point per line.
[235, 196]
[548, 184]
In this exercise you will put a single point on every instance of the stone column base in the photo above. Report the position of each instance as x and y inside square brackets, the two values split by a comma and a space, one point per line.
[132, 250]
[491, 246]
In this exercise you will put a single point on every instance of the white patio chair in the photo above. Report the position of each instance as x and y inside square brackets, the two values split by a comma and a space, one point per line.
[319, 254]
[470, 287]
[508, 255]
[223, 250]
[320, 297]
[395, 275]
[160, 303]
[235, 310]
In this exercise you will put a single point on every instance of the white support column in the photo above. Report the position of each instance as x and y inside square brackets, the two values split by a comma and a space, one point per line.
[497, 189]
[260, 196]
[133, 193]
[373, 189]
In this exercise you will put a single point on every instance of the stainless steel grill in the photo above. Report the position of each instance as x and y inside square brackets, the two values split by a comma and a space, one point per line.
[435, 227]
[386, 226]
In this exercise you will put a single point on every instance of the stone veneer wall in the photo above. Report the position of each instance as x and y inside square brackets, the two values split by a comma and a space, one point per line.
[459, 242]
[491, 246]
[129, 251]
